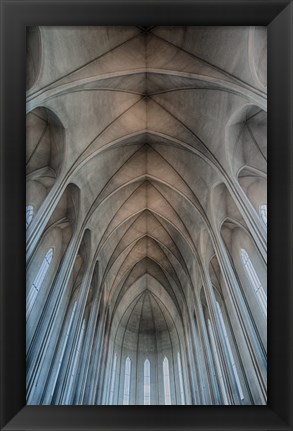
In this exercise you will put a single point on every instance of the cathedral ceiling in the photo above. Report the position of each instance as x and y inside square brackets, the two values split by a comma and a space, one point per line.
[151, 123]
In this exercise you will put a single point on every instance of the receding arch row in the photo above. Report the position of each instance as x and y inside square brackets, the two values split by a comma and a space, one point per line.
[138, 181]
[132, 240]
[135, 291]
[122, 283]
[178, 259]
[148, 132]
[144, 209]
[183, 229]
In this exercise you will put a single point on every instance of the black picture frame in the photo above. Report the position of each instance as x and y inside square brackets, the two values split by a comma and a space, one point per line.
[15, 16]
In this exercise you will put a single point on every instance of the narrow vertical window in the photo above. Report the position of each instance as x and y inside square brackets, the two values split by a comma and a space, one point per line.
[166, 376]
[217, 363]
[180, 379]
[127, 382]
[113, 379]
[147, 382]
[255, 281]
[263, 213]
[37, 283]
[231, 357]
[29, 215]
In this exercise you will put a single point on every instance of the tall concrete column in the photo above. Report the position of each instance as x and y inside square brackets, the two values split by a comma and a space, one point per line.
[211, 388]
[49, 326]
[220, 344]
[88, 344]
[244, 319]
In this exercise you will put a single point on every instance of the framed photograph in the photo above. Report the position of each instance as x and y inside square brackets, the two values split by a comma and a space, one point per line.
[149, 145]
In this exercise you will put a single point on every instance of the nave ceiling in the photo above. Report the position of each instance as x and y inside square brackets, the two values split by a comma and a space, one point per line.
[153, 127]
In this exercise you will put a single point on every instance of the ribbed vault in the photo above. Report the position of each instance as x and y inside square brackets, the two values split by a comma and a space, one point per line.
[158, 124]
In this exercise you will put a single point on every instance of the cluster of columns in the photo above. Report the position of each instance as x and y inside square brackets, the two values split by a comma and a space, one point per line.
[68, 338]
